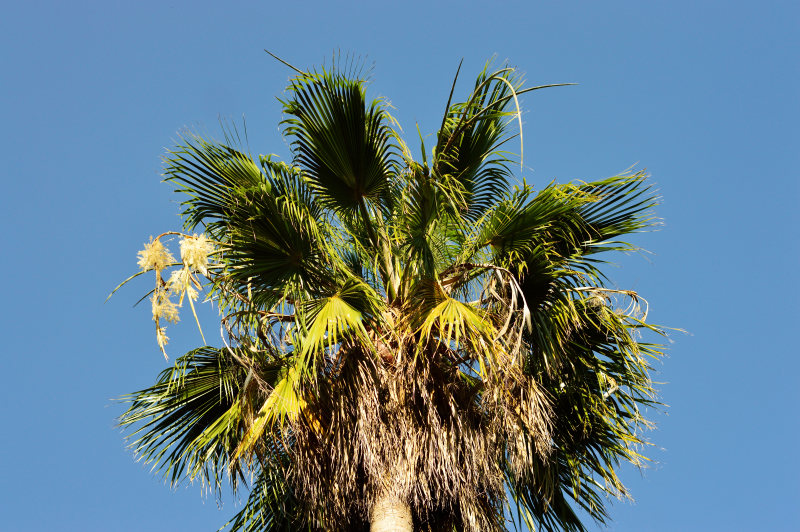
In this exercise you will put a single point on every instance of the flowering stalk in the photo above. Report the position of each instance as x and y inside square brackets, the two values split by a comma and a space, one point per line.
[195, 252]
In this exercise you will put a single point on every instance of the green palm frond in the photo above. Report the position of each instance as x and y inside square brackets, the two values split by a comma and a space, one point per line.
[264, 215]
[424, 225]
[276, 247]
[468, 148]
[468, 144]
[284, 402]
[599, 388]
[624, 207]
[453, 323]
[210, 174]
[188, 423]
[343, 143]
[332, 319]
[270, 507]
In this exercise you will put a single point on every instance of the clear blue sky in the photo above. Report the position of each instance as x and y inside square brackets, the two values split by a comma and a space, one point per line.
[704, 94]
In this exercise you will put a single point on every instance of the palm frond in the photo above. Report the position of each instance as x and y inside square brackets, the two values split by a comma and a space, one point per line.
[210, 173]
[284, 404]
[469, 142]
[343, 142]
[424, 226]
[189, 422]
[270, 506]
[338, 317]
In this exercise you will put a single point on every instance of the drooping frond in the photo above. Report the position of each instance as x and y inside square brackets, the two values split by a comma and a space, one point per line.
[598, 399]
[284, 403]
[189, 422]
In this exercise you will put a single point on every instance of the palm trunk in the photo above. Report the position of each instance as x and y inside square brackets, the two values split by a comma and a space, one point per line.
[390, 514]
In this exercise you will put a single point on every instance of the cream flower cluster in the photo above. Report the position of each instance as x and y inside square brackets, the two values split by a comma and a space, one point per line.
[161, 337]
[164, 308]
[195, 251]
[180, 281]
[154, 256]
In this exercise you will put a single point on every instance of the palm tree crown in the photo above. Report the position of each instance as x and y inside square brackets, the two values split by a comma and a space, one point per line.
[420, 332]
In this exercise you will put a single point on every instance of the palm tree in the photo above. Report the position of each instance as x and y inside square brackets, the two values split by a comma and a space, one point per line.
[409, 344]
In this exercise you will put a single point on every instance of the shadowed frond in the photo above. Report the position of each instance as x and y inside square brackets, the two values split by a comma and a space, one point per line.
[343, 143]
[210, 174]
[468, 148]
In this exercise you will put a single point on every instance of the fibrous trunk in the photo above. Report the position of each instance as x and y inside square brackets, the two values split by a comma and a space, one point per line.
[390, 514]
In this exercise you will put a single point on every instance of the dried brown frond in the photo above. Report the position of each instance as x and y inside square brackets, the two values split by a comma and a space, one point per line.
[425, 432]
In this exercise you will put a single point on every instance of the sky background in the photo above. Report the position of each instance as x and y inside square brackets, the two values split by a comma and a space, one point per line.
[704, 94]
